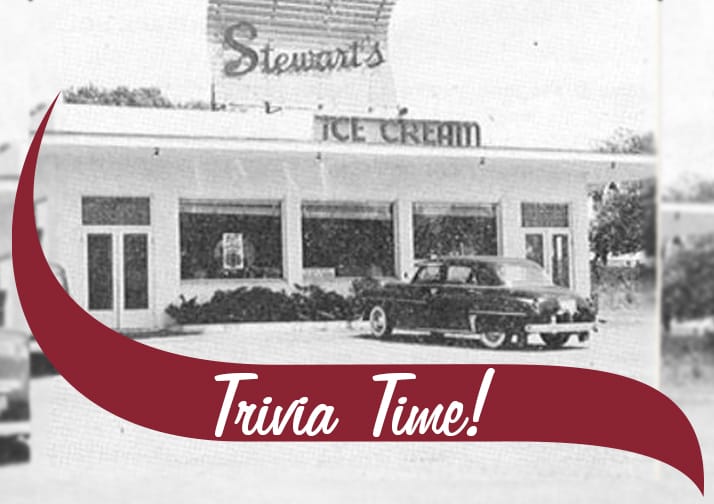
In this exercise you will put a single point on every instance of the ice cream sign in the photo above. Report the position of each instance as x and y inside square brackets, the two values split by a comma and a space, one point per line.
[397, 131]
[246, 58]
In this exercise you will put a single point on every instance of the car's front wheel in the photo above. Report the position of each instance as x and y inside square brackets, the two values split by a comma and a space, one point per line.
[555, 340]
[380, 323]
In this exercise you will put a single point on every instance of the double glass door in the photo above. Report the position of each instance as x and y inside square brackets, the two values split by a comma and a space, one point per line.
[551, 249]
[118, 292]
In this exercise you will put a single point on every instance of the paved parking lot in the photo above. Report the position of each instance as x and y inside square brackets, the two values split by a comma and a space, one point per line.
[83, 454]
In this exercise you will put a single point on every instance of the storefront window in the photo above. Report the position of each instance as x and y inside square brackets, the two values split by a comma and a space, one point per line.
[347, 239]
[230, 240]
[454, 230]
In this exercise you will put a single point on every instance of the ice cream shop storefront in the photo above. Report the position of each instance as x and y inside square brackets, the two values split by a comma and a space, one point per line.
[297, 183]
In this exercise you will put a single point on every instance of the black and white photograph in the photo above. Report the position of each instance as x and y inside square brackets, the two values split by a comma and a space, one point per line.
[359, 182]
[686, 228]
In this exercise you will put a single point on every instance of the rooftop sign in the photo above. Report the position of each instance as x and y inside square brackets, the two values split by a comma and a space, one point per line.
[268, 60]
[301, 54]
[398, 131]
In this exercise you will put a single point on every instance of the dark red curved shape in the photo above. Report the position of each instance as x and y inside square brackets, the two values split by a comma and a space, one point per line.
[179, 395]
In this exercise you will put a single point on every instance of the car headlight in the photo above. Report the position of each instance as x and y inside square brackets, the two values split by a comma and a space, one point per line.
[548, 305]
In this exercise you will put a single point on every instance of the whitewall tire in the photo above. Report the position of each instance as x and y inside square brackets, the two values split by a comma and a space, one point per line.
[494, 340]
[380, 323]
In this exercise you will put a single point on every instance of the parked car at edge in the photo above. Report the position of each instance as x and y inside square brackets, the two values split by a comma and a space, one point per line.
[14, 385]
[15, 376]
[495, 299]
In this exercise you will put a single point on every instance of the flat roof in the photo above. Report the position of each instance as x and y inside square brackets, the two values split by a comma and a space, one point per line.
[292, 130]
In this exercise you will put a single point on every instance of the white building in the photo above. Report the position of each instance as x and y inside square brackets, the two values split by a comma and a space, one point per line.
[311, 174]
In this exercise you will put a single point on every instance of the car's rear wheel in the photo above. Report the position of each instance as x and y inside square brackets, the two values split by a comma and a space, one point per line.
[380, 323]
[494, 339]
[555, 340]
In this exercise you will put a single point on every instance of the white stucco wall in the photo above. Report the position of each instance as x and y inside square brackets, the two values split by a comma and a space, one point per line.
[67, 173]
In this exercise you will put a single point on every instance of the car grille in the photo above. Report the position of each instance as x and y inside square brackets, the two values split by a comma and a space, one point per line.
[564, 317]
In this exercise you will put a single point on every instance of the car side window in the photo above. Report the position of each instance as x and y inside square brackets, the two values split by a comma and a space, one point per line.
[430, 273]
[459, 274]
[486, 276]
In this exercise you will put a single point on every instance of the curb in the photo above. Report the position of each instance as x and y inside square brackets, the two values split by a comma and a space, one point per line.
[294, 326]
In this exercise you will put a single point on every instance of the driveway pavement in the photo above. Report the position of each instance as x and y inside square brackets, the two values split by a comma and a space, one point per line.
[83, 454]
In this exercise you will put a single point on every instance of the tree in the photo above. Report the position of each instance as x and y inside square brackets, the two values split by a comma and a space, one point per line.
[626, 219]
[626, 141]
[691, 189]
[123, 96]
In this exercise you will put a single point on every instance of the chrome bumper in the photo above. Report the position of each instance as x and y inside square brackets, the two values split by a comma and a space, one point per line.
[564, 327]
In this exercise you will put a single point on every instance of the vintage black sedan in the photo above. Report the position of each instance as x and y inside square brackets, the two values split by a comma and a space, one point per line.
[500, 301]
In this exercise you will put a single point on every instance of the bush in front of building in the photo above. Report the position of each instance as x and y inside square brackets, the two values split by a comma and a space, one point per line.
[623, 287]
[259, 304]
[314, 303]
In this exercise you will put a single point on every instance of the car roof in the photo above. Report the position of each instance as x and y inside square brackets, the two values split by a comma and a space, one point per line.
[471, 260]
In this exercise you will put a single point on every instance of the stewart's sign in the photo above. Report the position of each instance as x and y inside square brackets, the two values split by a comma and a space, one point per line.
[268, 60]
[397, 131]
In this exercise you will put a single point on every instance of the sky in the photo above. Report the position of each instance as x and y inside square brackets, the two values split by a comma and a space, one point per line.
[541, 73]
[687, 91]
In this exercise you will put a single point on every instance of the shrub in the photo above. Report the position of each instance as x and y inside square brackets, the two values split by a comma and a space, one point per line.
[618, 288]
[259, 304]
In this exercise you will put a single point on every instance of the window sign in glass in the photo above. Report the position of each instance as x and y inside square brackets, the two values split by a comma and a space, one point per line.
[224, 239]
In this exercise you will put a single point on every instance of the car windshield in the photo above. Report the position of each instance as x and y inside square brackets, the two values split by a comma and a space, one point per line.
[517, 274]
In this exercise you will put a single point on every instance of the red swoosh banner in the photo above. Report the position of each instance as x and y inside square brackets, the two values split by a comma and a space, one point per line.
[240, 402]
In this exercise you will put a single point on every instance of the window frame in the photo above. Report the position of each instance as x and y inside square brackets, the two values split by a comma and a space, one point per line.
[495, 208]
[277, 205]
[391, 207]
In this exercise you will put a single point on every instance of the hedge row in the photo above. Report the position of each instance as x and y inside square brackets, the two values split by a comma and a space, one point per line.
[259, 304]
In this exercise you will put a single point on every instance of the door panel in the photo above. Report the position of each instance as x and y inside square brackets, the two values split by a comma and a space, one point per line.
[136, 271]
[413, 306]
[450, 308]
[450, 305]
[100, 275]
[551, 250]
[118, 278]
[534, 248]
[561, 260]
